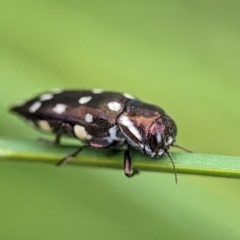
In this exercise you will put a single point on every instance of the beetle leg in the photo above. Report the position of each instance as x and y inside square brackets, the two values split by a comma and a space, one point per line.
[56, 141]
[129, 172]
[94, 144]
[71, 155]
[100, 144]
[46, 141]
[58, 138]
[60, 130]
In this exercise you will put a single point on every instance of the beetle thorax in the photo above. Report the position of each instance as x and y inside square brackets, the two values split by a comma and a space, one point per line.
[152, 136]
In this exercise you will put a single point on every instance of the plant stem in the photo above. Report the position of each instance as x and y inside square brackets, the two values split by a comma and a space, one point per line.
[186, 163]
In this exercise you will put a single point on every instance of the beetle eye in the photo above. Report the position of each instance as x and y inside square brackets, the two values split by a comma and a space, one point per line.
[155, 140]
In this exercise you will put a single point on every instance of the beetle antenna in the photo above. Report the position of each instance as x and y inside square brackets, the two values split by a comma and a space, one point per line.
[182, 148]
[173, 164]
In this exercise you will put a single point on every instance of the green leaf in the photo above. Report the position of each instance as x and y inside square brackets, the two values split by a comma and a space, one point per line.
[186, 163]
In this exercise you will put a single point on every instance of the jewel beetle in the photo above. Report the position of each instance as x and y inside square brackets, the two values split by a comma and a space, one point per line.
[102, 119]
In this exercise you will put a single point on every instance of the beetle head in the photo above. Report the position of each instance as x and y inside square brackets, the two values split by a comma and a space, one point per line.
[161, 136]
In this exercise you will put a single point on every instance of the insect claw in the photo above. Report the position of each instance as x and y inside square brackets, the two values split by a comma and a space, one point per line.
[133, 173]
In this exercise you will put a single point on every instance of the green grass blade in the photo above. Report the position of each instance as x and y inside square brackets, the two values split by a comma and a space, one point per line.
[186, 163]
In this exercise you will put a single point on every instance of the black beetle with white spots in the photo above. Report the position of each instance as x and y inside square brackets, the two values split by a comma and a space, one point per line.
[102, 120]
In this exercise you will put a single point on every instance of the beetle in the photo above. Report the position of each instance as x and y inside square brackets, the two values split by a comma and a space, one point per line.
[102, 119]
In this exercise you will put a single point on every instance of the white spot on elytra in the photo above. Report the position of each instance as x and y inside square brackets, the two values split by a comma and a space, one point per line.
[128, 96]
[124, 120]
[114, 106]
[84, 100]
[113, 133]
[60, 108]
[81, 133]
[97, 90]
[46, 96]
[44, 125]
[89, 118]
[35, 106]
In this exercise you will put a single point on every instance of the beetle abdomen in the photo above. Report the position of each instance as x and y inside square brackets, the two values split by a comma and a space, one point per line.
[87, 114]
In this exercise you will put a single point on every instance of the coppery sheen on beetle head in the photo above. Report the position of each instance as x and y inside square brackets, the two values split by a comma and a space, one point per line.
[161, 136]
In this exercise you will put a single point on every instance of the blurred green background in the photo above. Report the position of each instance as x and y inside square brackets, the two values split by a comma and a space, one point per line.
[180, 55]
